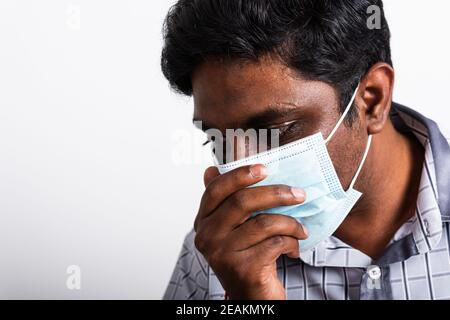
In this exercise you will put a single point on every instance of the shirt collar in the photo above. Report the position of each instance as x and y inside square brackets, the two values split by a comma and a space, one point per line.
[441, 154]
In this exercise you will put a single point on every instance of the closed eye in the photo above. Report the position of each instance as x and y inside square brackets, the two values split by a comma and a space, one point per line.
[288, 131]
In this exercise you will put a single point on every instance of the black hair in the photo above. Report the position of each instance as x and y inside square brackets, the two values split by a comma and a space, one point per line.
[324, 40]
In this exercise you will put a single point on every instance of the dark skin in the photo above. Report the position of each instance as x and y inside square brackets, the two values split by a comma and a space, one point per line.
[232, 95]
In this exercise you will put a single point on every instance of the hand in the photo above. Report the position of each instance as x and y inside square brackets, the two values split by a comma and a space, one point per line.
[242, 250]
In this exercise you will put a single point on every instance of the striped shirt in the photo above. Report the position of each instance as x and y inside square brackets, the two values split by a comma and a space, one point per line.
[415, 265]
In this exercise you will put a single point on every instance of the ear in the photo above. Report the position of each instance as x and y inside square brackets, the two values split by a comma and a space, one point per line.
[375, 96]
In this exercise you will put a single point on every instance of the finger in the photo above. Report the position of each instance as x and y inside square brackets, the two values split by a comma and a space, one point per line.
[263, 227]
[241, 205]
[223, 186]
[268, 251]
[210, 174]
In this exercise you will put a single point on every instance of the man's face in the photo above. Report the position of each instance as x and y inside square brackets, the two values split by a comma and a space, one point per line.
[267, 95]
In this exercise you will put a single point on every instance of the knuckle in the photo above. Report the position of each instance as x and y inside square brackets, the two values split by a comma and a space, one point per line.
[276, 241]
[211, 192]
[264, 221]
[238, 200]
[240, 176]
[280, 191]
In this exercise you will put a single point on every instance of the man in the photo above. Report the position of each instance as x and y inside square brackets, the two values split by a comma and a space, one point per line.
[294, 66]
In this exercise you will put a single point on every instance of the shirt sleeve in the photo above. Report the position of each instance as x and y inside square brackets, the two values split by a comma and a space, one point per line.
[189, 280]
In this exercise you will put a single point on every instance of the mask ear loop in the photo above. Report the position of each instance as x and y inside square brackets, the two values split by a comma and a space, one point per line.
[369, 141]
[347, 110]
[366, 153]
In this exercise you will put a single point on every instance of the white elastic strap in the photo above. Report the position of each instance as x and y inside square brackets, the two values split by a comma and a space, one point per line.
[366, 152]
[343, 116]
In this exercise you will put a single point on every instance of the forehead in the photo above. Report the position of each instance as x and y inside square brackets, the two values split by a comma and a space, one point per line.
[227, 93]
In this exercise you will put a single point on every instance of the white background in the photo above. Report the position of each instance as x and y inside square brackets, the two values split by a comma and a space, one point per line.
[88, 175]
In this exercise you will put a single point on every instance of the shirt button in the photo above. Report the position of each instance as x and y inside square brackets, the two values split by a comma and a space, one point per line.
[374, 272]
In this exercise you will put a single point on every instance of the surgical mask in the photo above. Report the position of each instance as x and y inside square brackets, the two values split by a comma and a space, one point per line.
[306, 164]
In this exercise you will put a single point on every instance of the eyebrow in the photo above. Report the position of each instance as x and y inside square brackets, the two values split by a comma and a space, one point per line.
[269, 116]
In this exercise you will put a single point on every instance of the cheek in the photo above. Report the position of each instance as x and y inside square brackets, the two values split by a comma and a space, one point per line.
[346, 150]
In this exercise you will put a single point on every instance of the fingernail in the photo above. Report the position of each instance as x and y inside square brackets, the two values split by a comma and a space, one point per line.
[298, 193]
[258, 171]
[305, 231]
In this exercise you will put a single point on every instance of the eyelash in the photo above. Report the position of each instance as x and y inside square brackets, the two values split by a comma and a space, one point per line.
[286, 130]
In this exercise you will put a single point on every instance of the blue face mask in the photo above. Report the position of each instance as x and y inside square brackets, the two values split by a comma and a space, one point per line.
[306, 164]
